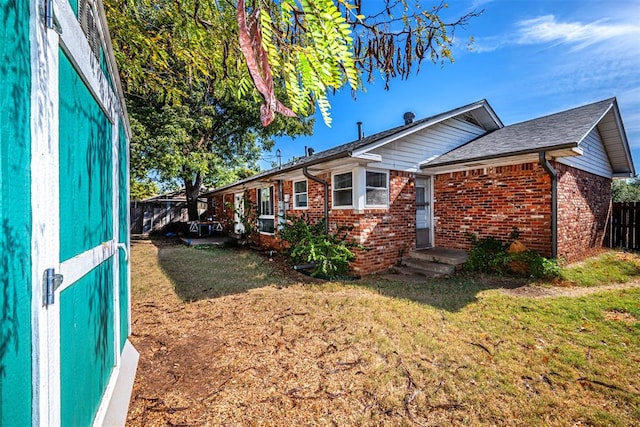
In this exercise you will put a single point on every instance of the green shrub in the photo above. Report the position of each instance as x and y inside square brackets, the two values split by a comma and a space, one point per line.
[483, 253]
[330, 253]
[489, 255]
[527, 263]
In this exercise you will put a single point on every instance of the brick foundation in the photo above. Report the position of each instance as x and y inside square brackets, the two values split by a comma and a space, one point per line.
[584, 204]
[490, 202]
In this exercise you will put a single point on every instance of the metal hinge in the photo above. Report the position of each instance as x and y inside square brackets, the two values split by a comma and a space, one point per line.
[50, 20]
[51, 282]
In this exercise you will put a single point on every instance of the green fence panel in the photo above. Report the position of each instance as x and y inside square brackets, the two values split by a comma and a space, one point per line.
[15, 215]
[86, 344]
[85, 167]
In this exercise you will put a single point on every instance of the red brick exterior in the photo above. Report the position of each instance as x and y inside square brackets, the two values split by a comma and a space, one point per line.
[490, 202]
[386, 233]
[485, 202]
[584, 204]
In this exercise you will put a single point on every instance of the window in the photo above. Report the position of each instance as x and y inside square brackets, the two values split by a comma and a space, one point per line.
[377, 189]
[300, 195]
[266, 220]
[343, 190]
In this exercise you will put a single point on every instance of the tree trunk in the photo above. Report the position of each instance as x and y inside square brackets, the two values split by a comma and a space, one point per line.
[192, 190]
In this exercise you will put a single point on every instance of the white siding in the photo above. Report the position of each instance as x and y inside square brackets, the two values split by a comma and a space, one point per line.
[406, 154]
[594, 158]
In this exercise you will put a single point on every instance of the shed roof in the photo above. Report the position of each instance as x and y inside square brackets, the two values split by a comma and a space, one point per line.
[563, 130]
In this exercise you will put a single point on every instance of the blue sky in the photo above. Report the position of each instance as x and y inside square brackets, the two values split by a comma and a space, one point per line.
[530, 58]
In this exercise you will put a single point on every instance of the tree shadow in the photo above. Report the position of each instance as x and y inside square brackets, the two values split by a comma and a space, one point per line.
[450, 294]
[203, 272]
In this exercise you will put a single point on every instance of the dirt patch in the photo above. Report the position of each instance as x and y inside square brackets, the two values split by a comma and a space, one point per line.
[275, 351]
[620, 316]
[564, 289]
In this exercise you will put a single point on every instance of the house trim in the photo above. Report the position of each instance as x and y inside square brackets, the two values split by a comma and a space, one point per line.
[564, 150]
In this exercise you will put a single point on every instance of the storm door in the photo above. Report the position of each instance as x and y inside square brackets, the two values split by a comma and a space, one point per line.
[238, 213]
[423, 212]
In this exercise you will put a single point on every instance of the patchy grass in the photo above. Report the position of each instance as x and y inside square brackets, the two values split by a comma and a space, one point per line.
[610, 267]
[227, 339]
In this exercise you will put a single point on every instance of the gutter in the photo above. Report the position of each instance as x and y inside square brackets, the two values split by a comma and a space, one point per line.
[304, 162]
[306, 173]
[554, 202]
[428, 165]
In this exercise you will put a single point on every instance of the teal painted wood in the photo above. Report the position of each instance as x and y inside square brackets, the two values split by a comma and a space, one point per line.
[85, 167]
[74, 6]
[86, 344]
[123, 233]
[15, 215]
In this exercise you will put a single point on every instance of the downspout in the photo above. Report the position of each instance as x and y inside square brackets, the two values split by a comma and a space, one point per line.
[281, 210]
[554, 202]
[306, 173]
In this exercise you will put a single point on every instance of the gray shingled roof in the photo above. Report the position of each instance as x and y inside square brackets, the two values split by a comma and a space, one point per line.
[345, 150]
[556, 131]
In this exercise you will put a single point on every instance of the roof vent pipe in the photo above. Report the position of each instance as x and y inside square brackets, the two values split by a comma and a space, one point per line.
[408, 117]
[360, 134]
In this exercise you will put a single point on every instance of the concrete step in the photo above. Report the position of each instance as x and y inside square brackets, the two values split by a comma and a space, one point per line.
[414, 272]
[429, 267]
[440, 255]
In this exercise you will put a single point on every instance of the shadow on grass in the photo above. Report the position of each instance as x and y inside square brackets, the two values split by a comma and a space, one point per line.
[202, 272]
[450, 294]
[210, 272]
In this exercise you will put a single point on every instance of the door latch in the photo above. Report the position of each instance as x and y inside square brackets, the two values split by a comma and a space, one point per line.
[51, 282]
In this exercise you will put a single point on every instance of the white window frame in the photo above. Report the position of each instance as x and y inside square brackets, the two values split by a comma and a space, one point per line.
[262, 216]
[382, 172]
[306, 193]
[333, 189]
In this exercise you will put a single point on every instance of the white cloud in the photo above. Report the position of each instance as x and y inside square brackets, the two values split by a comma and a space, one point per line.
[546, 29]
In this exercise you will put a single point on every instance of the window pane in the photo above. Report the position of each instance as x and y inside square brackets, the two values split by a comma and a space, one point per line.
[342, 198]
[343, 180]
[300, 187]
[376, 179]
[266, 225]
[265, 201]
[301, 200]
[376, 196]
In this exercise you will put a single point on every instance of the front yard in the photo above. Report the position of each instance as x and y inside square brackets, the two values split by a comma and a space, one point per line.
[227, 337]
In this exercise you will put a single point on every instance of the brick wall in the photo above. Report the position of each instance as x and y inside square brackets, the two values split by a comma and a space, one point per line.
[584, 203]
[490, 202]
[386, 233]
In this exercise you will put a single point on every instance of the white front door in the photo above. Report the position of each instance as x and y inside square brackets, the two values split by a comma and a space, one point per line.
[238, 213]
[423, 212]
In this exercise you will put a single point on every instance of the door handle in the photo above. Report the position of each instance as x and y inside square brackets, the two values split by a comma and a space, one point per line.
[123, 246]
[51, 281]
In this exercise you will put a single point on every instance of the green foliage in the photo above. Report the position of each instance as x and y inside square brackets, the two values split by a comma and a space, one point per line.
[249, 215]
[611, 267]
[142, 189]
[483, 252]
[330, 253]
[625, 190]
[529, 263]
[489, 255]
[313, 47]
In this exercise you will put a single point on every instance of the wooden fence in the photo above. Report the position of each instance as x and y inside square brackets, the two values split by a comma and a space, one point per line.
[623, 230]
[147, 217]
